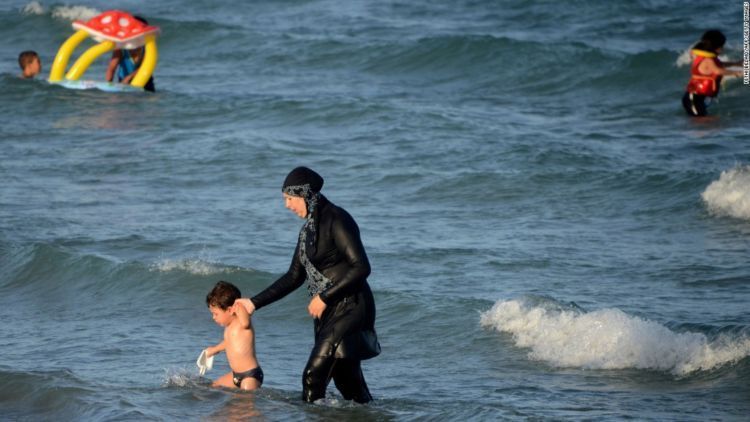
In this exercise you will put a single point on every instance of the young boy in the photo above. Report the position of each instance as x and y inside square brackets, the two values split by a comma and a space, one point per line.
[125, 63]
[30, 64]
[239, 338]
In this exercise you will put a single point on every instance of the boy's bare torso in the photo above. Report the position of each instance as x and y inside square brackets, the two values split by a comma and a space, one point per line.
[240, 347]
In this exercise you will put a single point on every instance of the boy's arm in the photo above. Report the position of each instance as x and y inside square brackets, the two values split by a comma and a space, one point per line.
[216, 349]
[243, 317]
[126, 80]
[112, 66]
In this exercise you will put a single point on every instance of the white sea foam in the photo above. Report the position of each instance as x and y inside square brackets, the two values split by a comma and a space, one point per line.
[33, 8]
[196, 266]
[684, 59]
[178, 377]
[609, 339]
[730, 195]
[65, 12]
[72, 13]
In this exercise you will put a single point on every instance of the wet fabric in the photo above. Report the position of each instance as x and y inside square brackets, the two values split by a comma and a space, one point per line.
[694, 104]
[347, 327]
[256, 373]
[346, 373]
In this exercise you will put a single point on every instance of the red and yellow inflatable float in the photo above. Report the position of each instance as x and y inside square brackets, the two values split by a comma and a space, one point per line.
[113, 29]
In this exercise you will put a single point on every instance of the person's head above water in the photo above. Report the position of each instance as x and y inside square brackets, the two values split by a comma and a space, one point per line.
[300, 177]
[223, 295]
[712, 41]
[29, 63]
[300, 188]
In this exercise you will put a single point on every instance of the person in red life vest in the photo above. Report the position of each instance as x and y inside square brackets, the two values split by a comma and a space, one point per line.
[706, 72]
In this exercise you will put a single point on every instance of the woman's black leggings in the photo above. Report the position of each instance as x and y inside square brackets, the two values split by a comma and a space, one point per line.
[346, 373]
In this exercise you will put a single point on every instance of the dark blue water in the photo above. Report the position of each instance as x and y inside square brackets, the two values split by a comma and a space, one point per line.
[551, 237]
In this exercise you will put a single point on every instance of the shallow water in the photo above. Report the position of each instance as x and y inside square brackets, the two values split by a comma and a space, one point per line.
[551, 238]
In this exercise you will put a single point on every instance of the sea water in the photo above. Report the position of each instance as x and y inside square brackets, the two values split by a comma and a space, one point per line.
[551, 237]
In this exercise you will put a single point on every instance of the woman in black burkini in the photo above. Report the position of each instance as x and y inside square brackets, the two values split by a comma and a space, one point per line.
[330, 256]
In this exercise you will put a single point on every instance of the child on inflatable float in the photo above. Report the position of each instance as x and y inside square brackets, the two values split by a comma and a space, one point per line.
[126, 62]
[112, 30]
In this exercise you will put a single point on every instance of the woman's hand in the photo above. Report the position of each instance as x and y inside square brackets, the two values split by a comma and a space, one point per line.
[247, 304]
[316, 307]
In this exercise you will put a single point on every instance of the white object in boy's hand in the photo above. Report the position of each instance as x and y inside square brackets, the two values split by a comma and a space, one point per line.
[204, 362]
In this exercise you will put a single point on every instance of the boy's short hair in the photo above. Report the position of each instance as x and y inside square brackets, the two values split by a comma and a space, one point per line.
[223, 295]
[26, 57]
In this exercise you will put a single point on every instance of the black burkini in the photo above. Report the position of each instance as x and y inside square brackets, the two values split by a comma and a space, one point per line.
[345, 333]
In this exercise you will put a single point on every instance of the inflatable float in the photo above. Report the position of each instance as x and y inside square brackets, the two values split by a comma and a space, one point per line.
[112, 30]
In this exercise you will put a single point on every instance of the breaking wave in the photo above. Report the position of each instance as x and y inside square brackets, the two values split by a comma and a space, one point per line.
[610, 339]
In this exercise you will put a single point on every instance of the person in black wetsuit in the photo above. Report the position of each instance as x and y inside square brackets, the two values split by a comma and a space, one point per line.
[330, 256]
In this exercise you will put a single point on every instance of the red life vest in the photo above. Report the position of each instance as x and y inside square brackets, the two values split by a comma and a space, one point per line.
[699, 83]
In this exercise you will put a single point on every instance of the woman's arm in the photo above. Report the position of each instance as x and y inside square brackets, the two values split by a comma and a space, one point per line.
[286, 284]
[346, 237]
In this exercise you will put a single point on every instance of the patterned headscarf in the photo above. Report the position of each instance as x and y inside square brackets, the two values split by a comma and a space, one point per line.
[305, 183]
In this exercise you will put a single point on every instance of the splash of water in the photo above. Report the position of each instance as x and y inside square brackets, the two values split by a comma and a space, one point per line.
[195, 266]
[64, 12]
[730, 195]
[178, 377]
[609, 339]
[72, 13]
[33, 8]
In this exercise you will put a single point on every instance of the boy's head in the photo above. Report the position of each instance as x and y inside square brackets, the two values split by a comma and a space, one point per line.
[223, 295]
[29, 63]
[220, 301]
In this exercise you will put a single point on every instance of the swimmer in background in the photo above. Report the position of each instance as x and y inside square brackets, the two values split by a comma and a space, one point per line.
[125, 64]
[239, 338]
[706, 72]
[30, 64]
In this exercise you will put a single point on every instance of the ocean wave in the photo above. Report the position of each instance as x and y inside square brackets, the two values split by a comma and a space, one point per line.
[730, 195]
[42, 268]
[610, 339]
[64, 12]
[56, 394]
[193, 266]
[442, 52]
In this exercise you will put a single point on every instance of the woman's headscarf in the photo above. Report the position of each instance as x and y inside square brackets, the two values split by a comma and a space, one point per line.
[305, 183]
